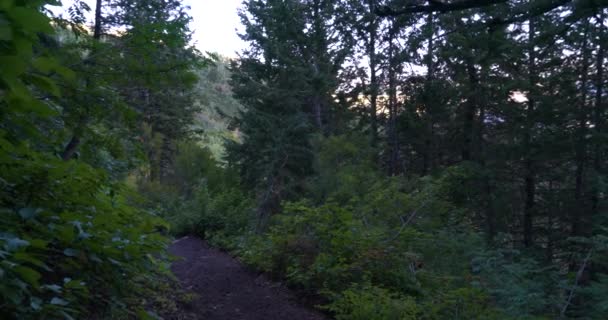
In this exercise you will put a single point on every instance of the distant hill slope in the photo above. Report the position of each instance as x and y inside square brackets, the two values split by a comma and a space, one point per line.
[218, 107]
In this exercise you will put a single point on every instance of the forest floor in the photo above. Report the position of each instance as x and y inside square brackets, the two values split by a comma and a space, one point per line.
[226, 290]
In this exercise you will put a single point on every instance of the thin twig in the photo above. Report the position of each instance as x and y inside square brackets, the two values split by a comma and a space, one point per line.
[404, 223]
[579, 274]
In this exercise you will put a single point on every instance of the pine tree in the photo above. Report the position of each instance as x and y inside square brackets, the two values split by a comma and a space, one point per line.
[285, 82]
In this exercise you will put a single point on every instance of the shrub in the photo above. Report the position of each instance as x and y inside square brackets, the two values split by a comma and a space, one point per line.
[368, 302]
[462, 304]
[70, 242]
[201, 198]
[400, 239]
[227, 217]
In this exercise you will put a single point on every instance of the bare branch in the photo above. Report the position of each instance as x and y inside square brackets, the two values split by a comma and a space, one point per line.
[579, 275]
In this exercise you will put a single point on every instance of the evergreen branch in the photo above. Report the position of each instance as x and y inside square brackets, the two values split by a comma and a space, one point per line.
[437, 6]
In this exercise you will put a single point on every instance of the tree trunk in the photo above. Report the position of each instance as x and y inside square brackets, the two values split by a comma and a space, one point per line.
[318, 50]
[579, 215]
[392, 92]
[165, 160]
[373, 29]
[98, 25]
[70, 149]
[529, 175]
[487, 190]
[427, 164]
[598, 114]
[469, 113]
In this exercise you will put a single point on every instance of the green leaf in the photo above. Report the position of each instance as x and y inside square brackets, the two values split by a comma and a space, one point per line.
[66, 234]
[6, 4]
[45, 64]
[15, 296]
[38, 107]
[67, 73]
[12, 66]
[71, 252]
[36, 303]
[53, 287]
[147, 315]
[75, 284]
[14, 243]
[38, 243]
[30, 19]
[23, 47]
[45, 83]
[66, 316]
[25, 257]
[59, 302]
[29, 213]
[28, 275]
[6, 33]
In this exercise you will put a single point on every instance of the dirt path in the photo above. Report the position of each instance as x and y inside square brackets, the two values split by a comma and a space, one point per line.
[228, 291]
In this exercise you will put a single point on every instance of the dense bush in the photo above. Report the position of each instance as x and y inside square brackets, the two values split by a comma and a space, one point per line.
[366, 302]
[379, 247]
[201, 198]
[70, 240]
[368, 246]
[327, 249]
[72, 244]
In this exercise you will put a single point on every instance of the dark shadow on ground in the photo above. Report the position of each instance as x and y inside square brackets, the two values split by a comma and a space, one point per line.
[226, 290]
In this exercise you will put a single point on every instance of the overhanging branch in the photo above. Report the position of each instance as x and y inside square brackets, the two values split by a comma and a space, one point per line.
[525, 10]
[437, 6]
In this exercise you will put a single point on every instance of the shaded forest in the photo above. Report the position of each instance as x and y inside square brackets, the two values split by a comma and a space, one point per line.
[385, 159]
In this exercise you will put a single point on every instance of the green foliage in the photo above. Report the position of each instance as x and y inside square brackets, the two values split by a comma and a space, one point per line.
[218, 107]
[595, 294]
[344, 167]
[201, 198]
[328, 248]
[70, 240]
[465, 160]
[72, 243]
[21, 68]
[228, 217]
[404, 236]
[464, 303]
[499, 137]
[367, 302]
[518, 283]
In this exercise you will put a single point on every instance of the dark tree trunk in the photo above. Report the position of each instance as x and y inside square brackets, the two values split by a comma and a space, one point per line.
[98, 25]
[318, 112]
[373, 29]
[579, 214]
[598, 114]
[70, 149]
[153, 159]
[487, 189]
[392, 91]
[166, 160]
[529, 175]
[427, 164]
[318, 50]
[471, 108]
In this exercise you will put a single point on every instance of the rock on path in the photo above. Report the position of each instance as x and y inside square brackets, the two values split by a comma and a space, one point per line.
[226, 290]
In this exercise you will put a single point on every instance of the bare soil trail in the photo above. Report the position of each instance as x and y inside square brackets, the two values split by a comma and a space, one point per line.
[226, 290]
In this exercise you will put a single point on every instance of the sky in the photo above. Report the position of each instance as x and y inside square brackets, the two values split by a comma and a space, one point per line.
[214, 24]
